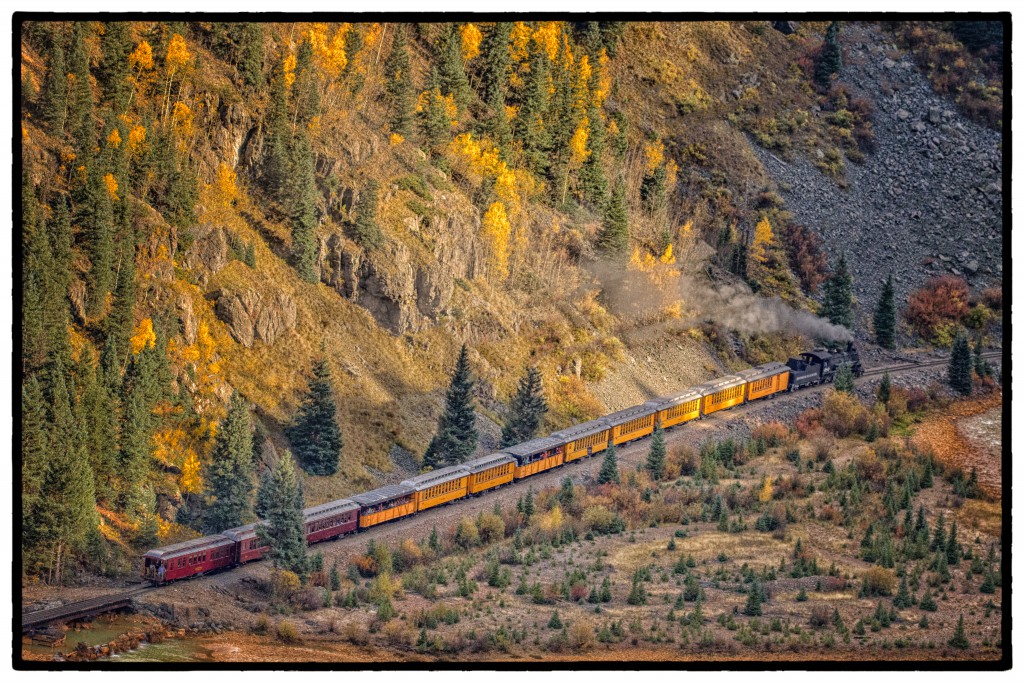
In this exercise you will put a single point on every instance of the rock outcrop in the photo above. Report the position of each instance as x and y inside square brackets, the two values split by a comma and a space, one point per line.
[208, 252]
[252, 316]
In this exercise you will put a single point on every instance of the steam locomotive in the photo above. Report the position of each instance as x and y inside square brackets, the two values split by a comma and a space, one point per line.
[349, 515]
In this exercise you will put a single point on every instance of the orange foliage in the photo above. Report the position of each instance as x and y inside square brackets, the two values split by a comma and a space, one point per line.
[497, 230]
[471, 39]
[329, 52]
[114, 139]
[111, 184]
[941, 300]
[178, 55]
[142, 57]
[144, 336]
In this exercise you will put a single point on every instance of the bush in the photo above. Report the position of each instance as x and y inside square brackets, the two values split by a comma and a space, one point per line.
[941, 301]
[397, 634]
[467, 535]
[408, 556]
[287, 633]
[820, 617]
[366, 566]
[843, 414]
[686, 459]
[772, 433]
[601, 520]
[284, 584]
[878, 581]
[804, 247]
[581, 636]
[491, 527]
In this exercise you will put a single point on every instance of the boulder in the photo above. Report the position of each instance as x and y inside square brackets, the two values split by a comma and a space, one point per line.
[208, 252]
[254, 316]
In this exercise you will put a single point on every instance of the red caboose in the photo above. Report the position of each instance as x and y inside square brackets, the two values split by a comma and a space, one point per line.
[330, 520]
[188, 558]
[248, 545]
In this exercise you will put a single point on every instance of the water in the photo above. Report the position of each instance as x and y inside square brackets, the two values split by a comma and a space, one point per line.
[106, 629]
[174, 650]
[103, 630]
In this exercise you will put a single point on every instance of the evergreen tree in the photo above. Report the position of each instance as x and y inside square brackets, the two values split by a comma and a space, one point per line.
[609, 466]
[961, 366]
[526, 411]
[315, 435]
[830, 60]
[902, 599]
[496, 64]
[530, 126]
[755, 598]
[38, 291]
[452, 67]
[55, 89]
[844, 378]
[277, 162]
[303, 208]
[435, 125]
[497, 126]
[885, 388]
[980, 366]
[100, 234]
[262, 504]
[35, 449]
[114, 68]
[656, 456]
[953, 551]
[284, 528]
[927, 602]
[614, 236]
[306, 87]
[885, 317]
[250, 50]
[365, 230]
[838, 303]
[528, 505]
[959, 639]
[229, 481]
[97, 415]
[399, 85]
[456, 436]
[593, 184]
[80, 104]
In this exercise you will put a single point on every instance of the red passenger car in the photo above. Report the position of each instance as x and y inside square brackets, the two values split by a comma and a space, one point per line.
[330, 520]
[188, 558]
[248, 545]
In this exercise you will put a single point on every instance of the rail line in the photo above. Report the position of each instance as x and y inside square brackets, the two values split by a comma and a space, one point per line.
[114, 601]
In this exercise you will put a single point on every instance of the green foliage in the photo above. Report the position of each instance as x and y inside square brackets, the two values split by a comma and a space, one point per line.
[315, 435]
[114, 69]
[838, 303]
[755, 598]
[959, 639]
[527, 409]
[452, 68]
[55, 89]
[885, 388]
[530, 122]
[435, 126]
[303, 208]
[885, 317]
[613, 239]
[398, 85]
[496, 65]
[284, 529]
[230, 478]
[365, 230]
[830, 60]
[456, 435]
[609, 466]
[844, 378]
[961, 366]
[656, 456]
[250, 51]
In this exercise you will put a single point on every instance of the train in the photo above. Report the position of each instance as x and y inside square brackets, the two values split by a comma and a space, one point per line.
[328, 521]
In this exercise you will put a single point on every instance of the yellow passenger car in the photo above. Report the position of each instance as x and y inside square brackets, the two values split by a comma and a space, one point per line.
[631, 423]
[677, 409]
[490, 471]
[584, 439]
[719, 394]
[536, 456]
[385, 504]
[438, 487]
[765, 380]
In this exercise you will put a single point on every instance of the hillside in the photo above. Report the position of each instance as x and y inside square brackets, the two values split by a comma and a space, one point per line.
[633, 208]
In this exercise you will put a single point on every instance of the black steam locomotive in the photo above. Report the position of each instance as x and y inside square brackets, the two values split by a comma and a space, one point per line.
[820, 366]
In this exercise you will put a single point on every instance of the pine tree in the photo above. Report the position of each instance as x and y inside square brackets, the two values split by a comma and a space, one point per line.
[961, 366]
[315, 435]
[306, 87]
[114, 68]
[885, 388]
[452, 67]
[496, 64]
[100, 234]
[844, 378]
[885, 317]
[250, 51]
[230, 478]
[528, 505]
[927, 602]
[262, 505]
[456, 436]
[365, 230]
[902, 599]
[830, 60]
[526, 411]
[399, 85]
[80, 104]
[97, 415]
[613, 239]
[755, 598]
[959, 639]
[277, 162]
[980, 366]
[435, 124]
[284, 528]
[953, 551]
[838, 304]
[303, 209]
[609, 466]
[35, 449]
[530, 126]
[55, 89]
[656, 456]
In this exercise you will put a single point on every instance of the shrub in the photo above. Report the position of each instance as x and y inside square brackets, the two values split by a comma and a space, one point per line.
[467, 535]
[409, 554]
[820, 617]
[843, 414]
[601, 520]
[366, 566]
[807, 257]
[941, 301]
[287, 633]
[397, 634]
[581, 636]
[772, 433]
[491, 527]
[878, 581]
[822, 444]
[355, 633]
[685, 458]
[284, 584]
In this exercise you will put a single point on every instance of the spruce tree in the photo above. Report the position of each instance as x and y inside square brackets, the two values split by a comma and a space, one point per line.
[456, 436]
[55, 89]
[452, 67]
[97, 414]
[114, 68]
[365, 230]
[398, 85]
[830, 60]
[959, 639]
[656, 456]
[306, 87]
[229, 481]
[303, 208]
[496, 64]
[315, 435]
[961, 366]
[35, 450]
[838, 304]
[435, 125]
[613, 239]
[100, 234]
[527, 409]
[844, 378]
[755, 598]
[980, 366]
[262, 504]
[277, 161]
[250, 64]
[885, 317]
[530, 122]
[80, 104]
[885, 388]
[609, 466]
[284, 528]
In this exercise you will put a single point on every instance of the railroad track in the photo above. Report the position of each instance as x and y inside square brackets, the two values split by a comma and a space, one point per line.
[114, 601]
[80, 609]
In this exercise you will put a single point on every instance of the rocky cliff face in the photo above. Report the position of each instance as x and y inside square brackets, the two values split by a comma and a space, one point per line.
[927, 201]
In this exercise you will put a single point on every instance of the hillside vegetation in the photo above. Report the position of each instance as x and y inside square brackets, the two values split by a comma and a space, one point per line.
[213, 208]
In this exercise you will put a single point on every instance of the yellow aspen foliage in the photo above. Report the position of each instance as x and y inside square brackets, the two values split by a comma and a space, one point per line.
[397, 139]
[142, 57]
[548, 36]
[612, 127]
[552, 521]
[654, 155]
[136, 139]
[178, 55]
[520, 41]
[497, 230]
[604, 79]
[226, 185]
[763, 239]
[511, 111]
[24, 133]
[289, 70]
[766, 491]
[191, 480]
[111, 184]
[483, 160]
[667, 258]
[181, 119]
[144, 337]
[114, 139]
[374, 34]
[581, 84]
[671, 171]
[329, 52]
[471, 39]
[578, 143]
